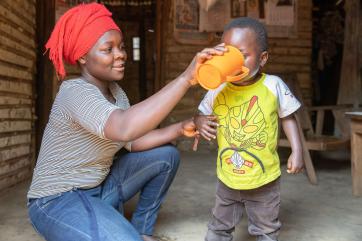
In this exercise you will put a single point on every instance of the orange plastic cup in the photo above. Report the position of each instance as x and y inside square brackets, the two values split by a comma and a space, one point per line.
[222, 68]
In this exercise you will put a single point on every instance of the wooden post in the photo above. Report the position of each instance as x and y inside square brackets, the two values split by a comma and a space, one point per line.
[157, 83]
[45, 22]
[350, 87]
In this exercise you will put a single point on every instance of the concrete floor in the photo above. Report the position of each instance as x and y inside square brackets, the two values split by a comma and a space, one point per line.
[327, 212]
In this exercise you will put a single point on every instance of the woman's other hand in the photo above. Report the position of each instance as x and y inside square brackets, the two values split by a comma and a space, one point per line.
[189, 128]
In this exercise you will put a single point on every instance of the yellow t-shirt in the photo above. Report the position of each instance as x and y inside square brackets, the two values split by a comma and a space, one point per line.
[248, 129]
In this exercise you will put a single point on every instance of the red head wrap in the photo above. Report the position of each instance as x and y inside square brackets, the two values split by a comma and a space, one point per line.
[76, 32]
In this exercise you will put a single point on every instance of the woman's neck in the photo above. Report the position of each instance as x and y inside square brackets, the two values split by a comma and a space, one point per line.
[103, 86]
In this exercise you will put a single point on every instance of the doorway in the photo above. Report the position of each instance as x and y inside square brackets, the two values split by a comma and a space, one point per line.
[137, 23]
[327, 51]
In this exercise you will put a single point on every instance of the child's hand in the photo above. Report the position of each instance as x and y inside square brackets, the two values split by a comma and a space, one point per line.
[206, 126]
[200, 58]
[295, 163]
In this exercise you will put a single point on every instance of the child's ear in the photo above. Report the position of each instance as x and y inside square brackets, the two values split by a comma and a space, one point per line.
[263, 58]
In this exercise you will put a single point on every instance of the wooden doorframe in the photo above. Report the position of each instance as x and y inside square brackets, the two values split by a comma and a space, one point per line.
[45, 19]
[350, 82]
[158, 75]
[163, 7]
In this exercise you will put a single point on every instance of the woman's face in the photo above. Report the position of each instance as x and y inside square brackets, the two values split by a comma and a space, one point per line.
[106, 60]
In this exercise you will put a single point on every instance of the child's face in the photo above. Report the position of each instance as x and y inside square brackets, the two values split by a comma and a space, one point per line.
[245, 40]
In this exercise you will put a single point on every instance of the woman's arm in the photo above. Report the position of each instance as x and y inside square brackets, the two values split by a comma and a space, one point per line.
[141, 118]
[295, 161]
[165, 135]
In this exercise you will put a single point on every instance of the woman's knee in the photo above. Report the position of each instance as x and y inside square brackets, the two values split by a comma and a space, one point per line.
[171, 155]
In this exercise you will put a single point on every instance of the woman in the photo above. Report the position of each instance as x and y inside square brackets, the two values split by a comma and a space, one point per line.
[78, 186]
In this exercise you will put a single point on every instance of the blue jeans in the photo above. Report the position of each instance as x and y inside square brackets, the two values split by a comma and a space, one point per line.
[97, 213]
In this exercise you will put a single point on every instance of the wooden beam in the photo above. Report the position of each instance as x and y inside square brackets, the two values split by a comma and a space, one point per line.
[350, 87]
[45, 20]
[157, 83]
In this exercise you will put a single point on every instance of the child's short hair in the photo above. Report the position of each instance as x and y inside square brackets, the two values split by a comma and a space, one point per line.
[255, 25]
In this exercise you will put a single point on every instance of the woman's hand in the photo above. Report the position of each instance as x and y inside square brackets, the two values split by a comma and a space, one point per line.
[206, 126]
[200, 58]
[189, 128]
[295, 163]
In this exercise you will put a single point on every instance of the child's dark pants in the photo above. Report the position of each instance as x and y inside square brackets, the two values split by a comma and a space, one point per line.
[261, 206]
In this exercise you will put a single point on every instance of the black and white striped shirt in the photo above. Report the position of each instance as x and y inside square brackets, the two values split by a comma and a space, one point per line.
[74, 152]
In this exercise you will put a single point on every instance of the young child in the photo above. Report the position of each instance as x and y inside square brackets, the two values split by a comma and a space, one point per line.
[244, 116]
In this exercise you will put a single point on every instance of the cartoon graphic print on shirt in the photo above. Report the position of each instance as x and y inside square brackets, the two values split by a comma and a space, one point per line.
[243, 127]
[247, 137]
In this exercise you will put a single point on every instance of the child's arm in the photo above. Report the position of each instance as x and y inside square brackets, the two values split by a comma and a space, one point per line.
[295, 160]
[164, 135]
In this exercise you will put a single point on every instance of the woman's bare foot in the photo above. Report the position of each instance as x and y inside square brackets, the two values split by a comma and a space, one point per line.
[148, 238]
